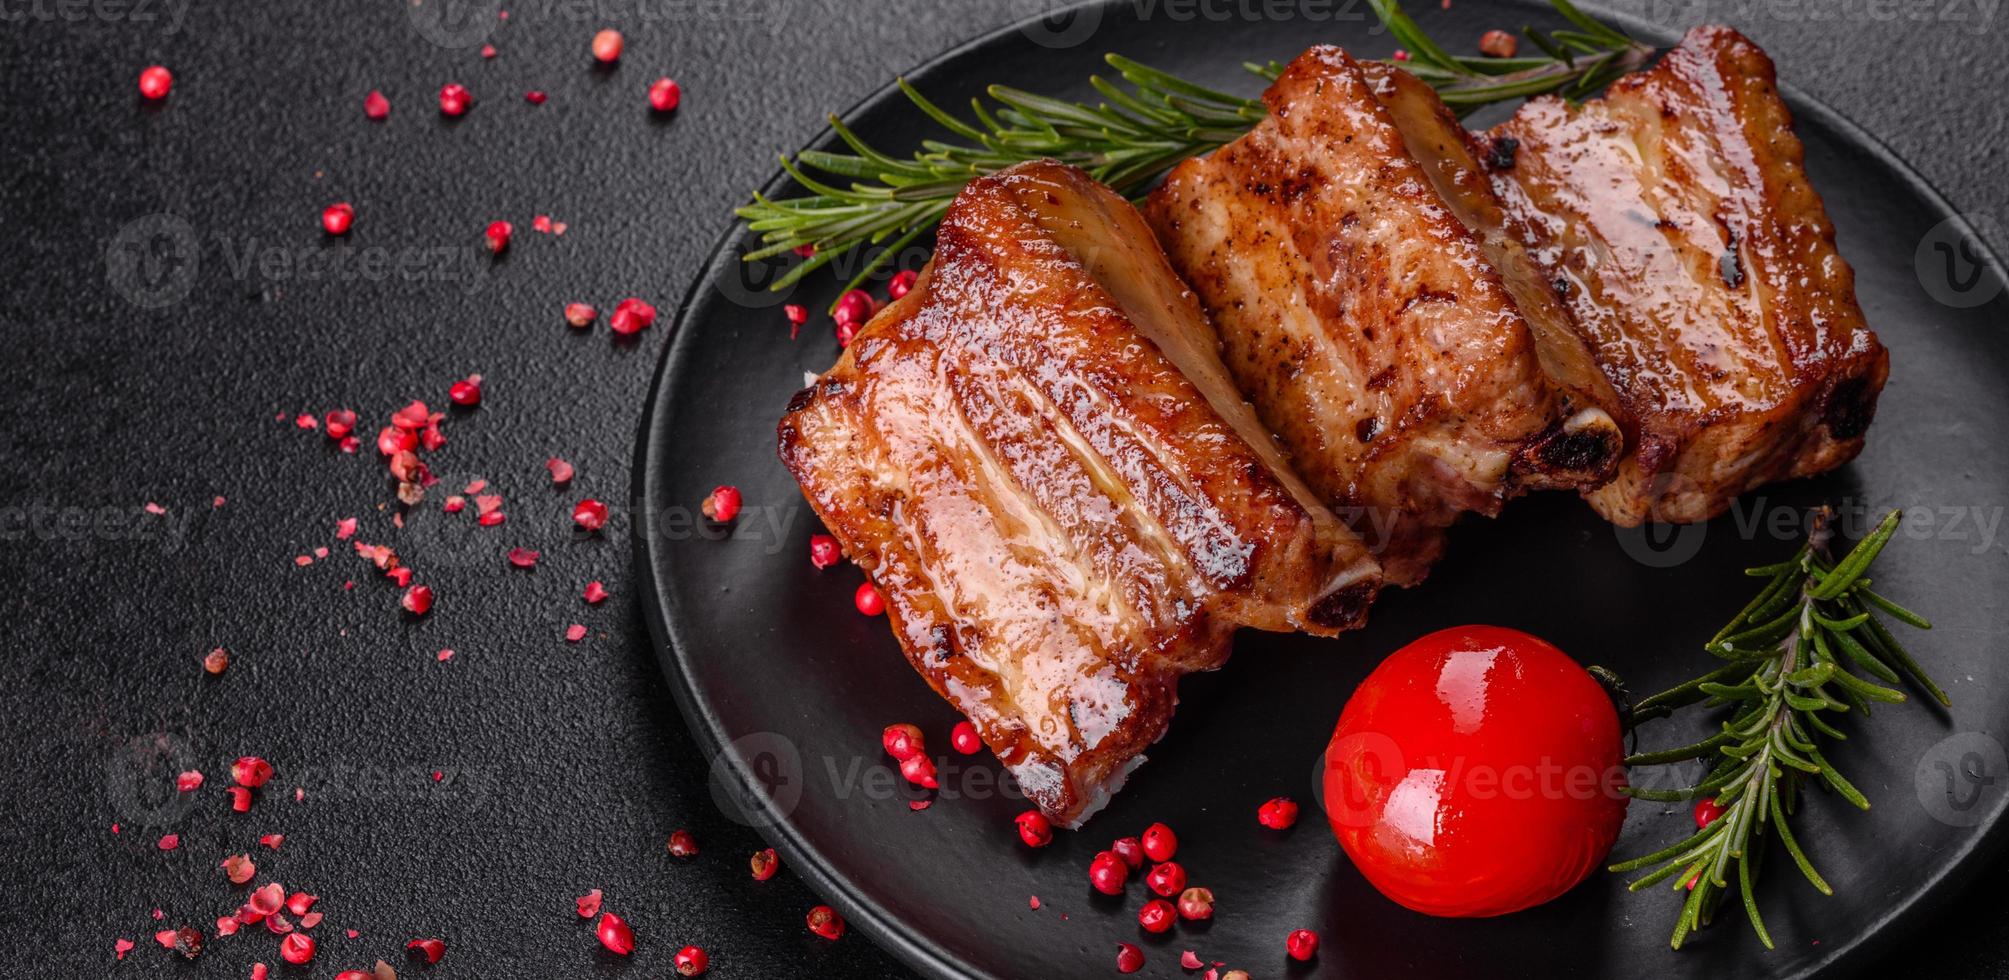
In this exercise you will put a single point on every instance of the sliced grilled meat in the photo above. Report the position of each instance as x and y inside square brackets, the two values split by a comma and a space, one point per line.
[1370, 328]
[1038, 458]
[1674, 219]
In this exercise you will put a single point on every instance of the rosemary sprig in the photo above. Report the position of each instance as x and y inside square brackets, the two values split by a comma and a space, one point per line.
[1146, 125]
[1574, 63]
[1791, 660]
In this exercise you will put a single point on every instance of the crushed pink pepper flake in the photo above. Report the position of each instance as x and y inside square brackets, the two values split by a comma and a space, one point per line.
[240, 798]
[433, 949]
[485, 503]
[227, 925]
[345, 528]
[797, 316]
[497, 236]
[306, 421]
[615, 934]
[321, 552]
[541, 223]
[259, 971]
[590, 514]
[158, 915]
[375, 105]
[580, 315]
[299, 794]
[492, 518]
[392, 440]
[188, 782]
[155, 509]
[445, 655]
[454, 99]
[465, 392]
[412, 417]
[474, 487]
[350, 444]
[438, 775]
[278, 924]
[589, 903]
[352, 933]
[574, 633]
[400, 577]
[455, 504]
[631, 316]
[251, 771]
[1033, 903]
[302, 560]
[488, 51]
[238, 868]
[534, 97]
[218, 501]
[168, 842]
[1189, 961]
[595, 593]
[339, 423]
[272, 840]
[722, 505]
[561, 471]
[417, 600]
[120, 947]
[299, 902]
[310, 920]
[919, 805]
[269, 898]
[523, 557]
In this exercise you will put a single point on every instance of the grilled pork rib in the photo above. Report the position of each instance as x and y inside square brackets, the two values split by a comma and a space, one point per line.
[1371, 329]
[1674, 218]
[1040, 461]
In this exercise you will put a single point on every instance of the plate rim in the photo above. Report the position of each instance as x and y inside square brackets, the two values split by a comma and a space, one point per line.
[914, 948]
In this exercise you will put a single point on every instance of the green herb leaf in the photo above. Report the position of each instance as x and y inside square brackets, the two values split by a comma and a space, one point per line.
[1784, 647]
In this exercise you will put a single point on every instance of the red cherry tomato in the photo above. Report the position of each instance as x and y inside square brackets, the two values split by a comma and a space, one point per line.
[1476, 772]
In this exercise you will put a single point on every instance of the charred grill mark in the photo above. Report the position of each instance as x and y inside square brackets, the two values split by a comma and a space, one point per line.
[1577, 451]
[1851, 406]
[1731, 264]
[1500, 156]
[1345, 607]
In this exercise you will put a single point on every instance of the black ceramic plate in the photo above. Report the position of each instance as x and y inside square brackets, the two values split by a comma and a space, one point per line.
[773, 667]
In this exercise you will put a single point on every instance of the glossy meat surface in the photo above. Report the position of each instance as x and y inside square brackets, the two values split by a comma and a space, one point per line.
[1674, 218]
[1038, 459]
[1367, 324]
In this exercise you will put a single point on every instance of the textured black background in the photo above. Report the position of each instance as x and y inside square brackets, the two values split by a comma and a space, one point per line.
[565, 766]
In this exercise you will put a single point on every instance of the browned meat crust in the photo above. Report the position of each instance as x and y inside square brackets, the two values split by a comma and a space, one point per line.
[1674, 218]
[1037, 457]
[1370, 328]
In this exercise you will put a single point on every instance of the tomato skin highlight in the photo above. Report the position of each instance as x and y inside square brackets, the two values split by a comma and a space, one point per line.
[1476, 772]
